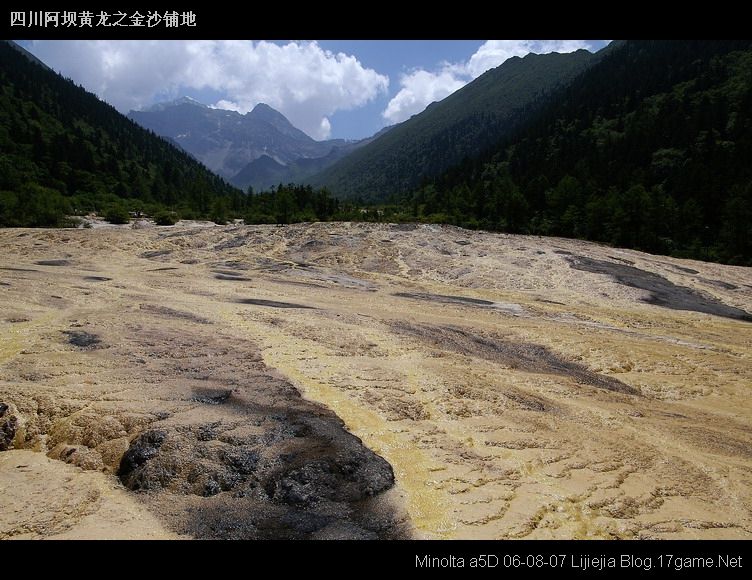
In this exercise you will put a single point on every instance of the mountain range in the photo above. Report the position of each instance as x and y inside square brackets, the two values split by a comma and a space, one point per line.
[262, 148]
[259, 149]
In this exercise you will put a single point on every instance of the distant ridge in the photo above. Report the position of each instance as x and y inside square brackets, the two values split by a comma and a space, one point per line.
[237, 146]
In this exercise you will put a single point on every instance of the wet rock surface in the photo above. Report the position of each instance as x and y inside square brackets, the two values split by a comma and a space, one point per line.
[444, 299]
[662, 291]
[509, 352]
[172, 313]
[232, 277]
[155, 254]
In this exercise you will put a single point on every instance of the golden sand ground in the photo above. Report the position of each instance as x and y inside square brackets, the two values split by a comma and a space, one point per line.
[485, 443]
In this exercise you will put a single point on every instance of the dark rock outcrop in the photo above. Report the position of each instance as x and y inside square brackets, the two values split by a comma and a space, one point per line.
[8, 427]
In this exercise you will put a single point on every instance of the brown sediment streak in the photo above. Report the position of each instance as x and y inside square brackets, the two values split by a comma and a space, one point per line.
[521, 356]
[662, 291]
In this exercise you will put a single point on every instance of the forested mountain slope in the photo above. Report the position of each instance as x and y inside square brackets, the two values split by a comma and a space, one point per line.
[64, 151]
[461, 125]
[650, 148]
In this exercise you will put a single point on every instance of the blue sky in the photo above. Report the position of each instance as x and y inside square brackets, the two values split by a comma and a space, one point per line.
[392, 58]
[330, 89]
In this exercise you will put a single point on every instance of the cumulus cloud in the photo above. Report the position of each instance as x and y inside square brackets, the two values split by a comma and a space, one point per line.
[494, 52]
[303, 81]
[420, 87]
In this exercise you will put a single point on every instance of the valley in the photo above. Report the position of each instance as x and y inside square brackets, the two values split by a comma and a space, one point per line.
[260, 149]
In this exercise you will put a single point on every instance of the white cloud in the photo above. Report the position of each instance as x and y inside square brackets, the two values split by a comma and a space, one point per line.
[494, 52]
[227, 105]
[305, 82]
[325, 128]
[421, 87]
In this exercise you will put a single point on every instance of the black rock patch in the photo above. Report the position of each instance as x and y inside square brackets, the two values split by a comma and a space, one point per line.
[82, 339]
[142, 449]
[212, 398]
[155, 253]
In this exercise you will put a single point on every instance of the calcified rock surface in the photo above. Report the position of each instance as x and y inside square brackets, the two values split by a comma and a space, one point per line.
[513, 386]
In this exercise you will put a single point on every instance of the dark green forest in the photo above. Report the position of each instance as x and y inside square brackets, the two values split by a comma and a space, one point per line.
[651, 148]
[64, 152]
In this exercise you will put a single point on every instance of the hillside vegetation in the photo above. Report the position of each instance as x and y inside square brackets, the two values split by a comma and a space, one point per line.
[650, 149]
[63, 151]
[459, 126]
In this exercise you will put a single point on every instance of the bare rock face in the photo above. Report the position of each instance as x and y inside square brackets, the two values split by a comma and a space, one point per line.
[9, 423]
[304, 470]
[134, 471]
